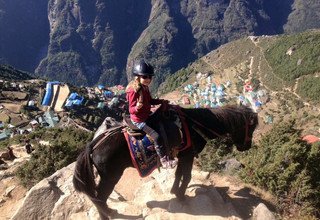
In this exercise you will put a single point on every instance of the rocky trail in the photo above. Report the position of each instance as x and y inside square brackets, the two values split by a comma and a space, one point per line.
[209, 196]
[11, 192]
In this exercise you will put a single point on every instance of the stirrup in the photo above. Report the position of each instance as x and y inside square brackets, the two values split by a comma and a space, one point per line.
[166, 163]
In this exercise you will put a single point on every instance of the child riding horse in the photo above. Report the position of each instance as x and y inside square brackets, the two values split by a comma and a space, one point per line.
[140, 101]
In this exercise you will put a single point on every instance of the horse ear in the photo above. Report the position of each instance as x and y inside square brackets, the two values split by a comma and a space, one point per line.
[252, 118]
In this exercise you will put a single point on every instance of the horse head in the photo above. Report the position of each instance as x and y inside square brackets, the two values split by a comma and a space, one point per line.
[242, 137]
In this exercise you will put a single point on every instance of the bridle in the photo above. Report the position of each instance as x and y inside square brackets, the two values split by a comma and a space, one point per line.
[246, 137]
[248, 122]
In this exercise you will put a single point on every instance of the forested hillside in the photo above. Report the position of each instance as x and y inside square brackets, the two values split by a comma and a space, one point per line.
[91, 42]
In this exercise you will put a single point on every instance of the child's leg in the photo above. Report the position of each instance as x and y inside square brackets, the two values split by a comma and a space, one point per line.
[165, 162]
[155, 137]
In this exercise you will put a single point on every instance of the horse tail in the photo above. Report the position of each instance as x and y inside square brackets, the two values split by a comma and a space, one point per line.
[83, 177]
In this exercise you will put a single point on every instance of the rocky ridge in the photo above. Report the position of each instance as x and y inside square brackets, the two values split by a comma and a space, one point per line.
[139, 198]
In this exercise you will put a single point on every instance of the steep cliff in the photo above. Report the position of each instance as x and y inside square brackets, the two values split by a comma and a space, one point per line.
[90, 42]
[24, 33]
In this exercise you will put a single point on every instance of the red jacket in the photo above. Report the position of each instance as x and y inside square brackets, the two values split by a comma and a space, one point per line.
[140, 115]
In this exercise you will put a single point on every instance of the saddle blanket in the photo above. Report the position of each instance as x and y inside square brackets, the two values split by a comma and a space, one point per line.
[143, 154]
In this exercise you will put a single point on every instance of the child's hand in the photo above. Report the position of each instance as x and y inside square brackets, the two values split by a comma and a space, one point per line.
[164, 105]
[139, 105]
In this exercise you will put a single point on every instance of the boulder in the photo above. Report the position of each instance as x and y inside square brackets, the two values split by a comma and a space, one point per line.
[261, 212]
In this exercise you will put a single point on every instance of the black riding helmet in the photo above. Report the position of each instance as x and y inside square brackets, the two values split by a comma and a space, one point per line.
[142, 68]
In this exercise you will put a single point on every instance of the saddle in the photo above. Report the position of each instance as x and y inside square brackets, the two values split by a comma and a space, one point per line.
[131, 129]
[174, 115]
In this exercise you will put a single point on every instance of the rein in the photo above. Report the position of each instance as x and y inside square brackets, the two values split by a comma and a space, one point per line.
[177, 108]
[247, 138]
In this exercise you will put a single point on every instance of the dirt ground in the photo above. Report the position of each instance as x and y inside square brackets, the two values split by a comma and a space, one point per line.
[13, 107]
[11, 191]
[244, 198]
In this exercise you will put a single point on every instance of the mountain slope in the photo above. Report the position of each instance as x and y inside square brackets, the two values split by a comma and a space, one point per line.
[24, 29]
[90, 42]
[9, 73]
[283, 66]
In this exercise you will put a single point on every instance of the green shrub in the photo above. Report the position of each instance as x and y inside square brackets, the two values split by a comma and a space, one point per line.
[4, 144]
[215, 151]
[65, 146]
[8, 142]
[305, 51]
[174, 81]
[45, 161]
[309, 88]
[286, 166]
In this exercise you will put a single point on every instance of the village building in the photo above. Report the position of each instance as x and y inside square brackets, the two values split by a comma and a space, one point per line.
[311, 139]
[49, 95]
[34, 123]
[31, 103]
[5, 134]
[114, 101]
[108, 94]
[101, 105]
[50, 119]
[74, 100]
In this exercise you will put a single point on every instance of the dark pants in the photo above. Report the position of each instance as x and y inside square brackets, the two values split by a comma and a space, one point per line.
[155, 137]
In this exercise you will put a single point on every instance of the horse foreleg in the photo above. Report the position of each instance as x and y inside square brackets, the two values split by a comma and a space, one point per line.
[186, 168]
[102, 196]
[177, 179]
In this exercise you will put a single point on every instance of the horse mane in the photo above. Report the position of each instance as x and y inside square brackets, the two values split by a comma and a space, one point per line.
[233, 116]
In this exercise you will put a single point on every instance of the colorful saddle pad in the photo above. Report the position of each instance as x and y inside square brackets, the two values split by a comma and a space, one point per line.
[143, 155]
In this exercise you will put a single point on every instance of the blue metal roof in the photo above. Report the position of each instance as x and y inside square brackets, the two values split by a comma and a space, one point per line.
[49, 93]
[73, 96]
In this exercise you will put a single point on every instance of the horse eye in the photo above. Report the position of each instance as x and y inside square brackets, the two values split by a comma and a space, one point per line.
[251, 120]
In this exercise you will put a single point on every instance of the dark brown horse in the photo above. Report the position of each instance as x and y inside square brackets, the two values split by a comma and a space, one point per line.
[113, 157]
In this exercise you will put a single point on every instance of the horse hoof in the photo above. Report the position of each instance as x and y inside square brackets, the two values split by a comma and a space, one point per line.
[179, 196]
[111, 211]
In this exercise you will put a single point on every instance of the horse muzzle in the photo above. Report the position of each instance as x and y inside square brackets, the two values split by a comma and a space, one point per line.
[243, 147]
